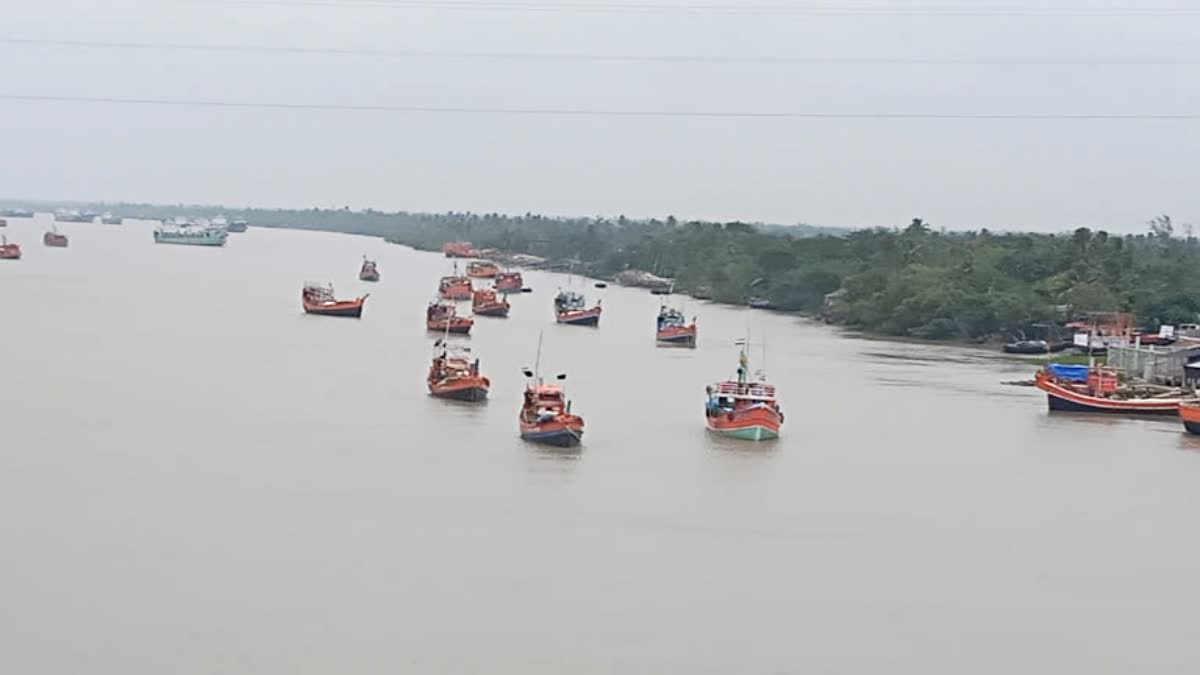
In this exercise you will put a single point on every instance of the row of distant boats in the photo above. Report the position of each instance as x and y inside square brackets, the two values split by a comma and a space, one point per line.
[194, 232]
[744, 408]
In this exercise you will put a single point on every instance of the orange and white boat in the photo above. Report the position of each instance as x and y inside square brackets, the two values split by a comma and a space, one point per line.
[546, 415]
[55, 239]
[483, 269]
[458, 249]
[9, 251]
[674, 330]
[509, 282]
[455, 375]
[455, 287]
[443, 317]
[570, 308]
[319, 299]
[744, 408]
[485, 302]
[1097, 390]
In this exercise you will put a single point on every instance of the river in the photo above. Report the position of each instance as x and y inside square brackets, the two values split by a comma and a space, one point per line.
[196, 477]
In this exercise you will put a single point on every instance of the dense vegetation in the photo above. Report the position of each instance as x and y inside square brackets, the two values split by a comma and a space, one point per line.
[902, 281]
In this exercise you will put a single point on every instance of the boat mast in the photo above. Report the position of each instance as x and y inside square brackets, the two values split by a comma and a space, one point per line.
[537, 362]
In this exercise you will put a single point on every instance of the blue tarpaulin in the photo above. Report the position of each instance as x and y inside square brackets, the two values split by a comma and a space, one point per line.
[1066, 372]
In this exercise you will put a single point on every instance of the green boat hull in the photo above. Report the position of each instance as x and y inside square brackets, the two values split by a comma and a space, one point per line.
[191, 239]
[754, 433]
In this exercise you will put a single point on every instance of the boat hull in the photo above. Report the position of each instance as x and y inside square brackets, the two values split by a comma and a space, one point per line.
[455, 296]
[1059, 398]
[562, 437]
[586, 317]
[491, 310]
[676, 338]
[350, 310]
[756, 424]
[457, 327]
[188, 240]
[1189, 414]
[53, 241]
[754, 432]
[472, 392]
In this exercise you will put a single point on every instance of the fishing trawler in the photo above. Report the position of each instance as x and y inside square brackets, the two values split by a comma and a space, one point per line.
[453, 374]
[546, 415]
[485, 302]
[1078, 388]
[673, 329]
[318, 299]
[190, 234]
[9, 251]
[508, 282]
[569, 308]
[455, 287]
[368, 271]
[744, 408]
[443, 317]
[54, 238]
[483, 269]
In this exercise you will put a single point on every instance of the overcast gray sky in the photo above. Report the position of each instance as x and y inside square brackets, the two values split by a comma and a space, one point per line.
[1026, 174]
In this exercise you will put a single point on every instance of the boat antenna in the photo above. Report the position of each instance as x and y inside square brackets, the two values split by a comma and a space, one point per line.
[537, 362]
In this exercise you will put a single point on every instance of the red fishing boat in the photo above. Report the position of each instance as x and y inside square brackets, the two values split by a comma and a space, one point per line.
[569, 308]
[483, 269]
[453, 374]
[509, 282]
[458, 249]
[9, 251]
[455, 287]
[1189, 414]
[1099, 390]
[443, 317]
[485, 302]
[55, 238]
[673, 329]
[368, 271]
[743, 408]
[546, 415]
[319, 299]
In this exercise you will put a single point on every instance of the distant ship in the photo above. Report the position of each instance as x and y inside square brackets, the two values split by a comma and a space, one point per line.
[55, 239]
[369, 271]
[194, 235]
[237, 225]
[72, 216]
[16, 213]
[110, 219]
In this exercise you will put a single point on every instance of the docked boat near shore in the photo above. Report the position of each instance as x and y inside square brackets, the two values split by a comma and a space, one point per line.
[455, 375]
[319, 299]
[1100, 390]
[485, 302]
[189, 234]
[672, 328]
[571, 308]
[745, 408]
[442, 317]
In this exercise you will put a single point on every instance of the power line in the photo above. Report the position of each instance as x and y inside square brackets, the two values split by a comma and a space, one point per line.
[827, 9]
[584, 57]
[586, 112]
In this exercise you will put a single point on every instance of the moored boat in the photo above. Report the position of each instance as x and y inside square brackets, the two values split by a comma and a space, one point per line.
[453, 374]
[55, 238]
[485, 302]
[1027, 347]
[442, 317]
[744, 408]
[545, 415]
[237, 225]
[110, 219]
[368, 271]
[570, 308]
[458, 249]
[9, 251]
[319, 299]
[1189, 414]
[1100, 390]
[189, 234]
[71, 216]
[455, 287]
[483, 269]
[508, 282]
[673, 328]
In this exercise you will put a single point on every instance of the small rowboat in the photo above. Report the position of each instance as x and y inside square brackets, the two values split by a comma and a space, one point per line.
[319, 299]
[1097, 390]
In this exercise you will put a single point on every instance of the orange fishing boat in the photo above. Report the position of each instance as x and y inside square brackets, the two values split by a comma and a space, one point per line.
[443, 317]
[458, 249]
[546, 415]
[9, 251]
[55, 238]
[1189, 414]
[455, 287]
[453, 374]
[1097, 390]
[509, 282]
[368, 271]
[569, 308]
[483, 269]
[319, 299]
[673, 329]
[743, 408]
[486, 303]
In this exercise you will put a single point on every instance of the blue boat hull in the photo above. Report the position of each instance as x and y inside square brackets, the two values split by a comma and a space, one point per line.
[559, 437]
